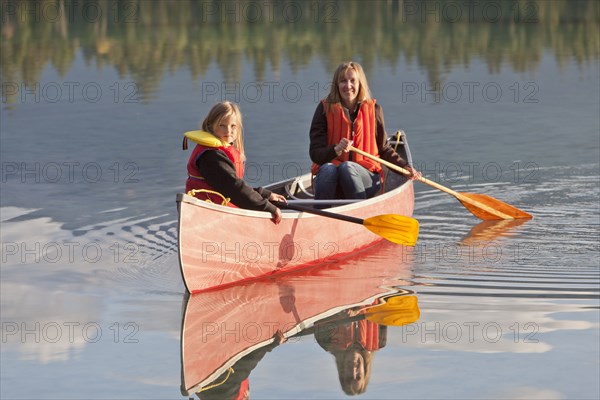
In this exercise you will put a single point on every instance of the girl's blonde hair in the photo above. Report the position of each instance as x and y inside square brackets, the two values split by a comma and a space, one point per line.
[223, 110]
[364, 93]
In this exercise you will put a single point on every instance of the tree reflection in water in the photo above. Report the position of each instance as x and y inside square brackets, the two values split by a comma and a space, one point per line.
[144, 40]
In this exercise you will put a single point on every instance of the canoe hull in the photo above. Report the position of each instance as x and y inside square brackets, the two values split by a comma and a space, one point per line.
[220, 246]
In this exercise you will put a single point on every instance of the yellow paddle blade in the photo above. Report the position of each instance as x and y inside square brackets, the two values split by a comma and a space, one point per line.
[480, 204]
[395, 228]
[396, 311]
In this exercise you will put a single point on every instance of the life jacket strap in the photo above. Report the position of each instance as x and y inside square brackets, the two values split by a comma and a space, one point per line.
[225, 201]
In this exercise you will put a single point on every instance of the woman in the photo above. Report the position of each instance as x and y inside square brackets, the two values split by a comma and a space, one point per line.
[349, 116]
[216, 165]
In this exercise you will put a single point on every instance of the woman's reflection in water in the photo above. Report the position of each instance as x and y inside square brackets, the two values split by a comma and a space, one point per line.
[352, 343]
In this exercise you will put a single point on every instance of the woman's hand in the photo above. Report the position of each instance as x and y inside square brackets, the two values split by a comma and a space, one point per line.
[414, 174]
[343, 146]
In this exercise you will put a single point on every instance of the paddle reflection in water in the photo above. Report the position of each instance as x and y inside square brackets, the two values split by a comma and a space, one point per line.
[346, 306]
[488, 231]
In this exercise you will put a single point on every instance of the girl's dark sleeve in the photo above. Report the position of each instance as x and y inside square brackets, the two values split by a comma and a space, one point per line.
[227, 385]
[386, 152]
[219, 172]
[320, 152]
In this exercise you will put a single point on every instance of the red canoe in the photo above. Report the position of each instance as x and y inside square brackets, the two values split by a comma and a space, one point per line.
[220, 245]
[220, 327]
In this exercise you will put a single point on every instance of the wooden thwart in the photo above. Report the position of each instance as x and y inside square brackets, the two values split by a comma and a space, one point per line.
[482, 206]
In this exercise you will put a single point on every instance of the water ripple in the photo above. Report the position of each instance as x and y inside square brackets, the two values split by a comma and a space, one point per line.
[554, 255]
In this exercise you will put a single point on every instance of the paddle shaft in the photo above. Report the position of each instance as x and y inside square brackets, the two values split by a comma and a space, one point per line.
[396, 228]
[434, 184]
[322, 213]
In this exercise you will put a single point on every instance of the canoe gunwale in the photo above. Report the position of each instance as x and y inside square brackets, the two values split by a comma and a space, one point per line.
[182, 197]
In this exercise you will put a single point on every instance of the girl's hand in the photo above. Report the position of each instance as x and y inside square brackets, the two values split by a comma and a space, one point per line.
[279, 337]
[351, 312]
[276, 216]
[277, 197]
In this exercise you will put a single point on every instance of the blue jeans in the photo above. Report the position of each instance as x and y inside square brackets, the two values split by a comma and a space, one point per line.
[354, 180]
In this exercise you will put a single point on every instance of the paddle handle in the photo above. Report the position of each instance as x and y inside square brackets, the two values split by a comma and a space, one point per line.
[322, 213]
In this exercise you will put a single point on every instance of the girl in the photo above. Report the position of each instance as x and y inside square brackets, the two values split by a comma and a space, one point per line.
[217, 163]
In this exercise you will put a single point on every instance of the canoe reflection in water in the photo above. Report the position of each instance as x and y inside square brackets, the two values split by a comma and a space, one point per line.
[347, 307]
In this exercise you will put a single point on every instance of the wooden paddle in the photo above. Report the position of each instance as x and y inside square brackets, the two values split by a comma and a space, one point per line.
[481, 205]
[393, 227]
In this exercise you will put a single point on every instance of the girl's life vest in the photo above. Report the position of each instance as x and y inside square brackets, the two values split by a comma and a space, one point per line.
[195, 181]
[363, 133]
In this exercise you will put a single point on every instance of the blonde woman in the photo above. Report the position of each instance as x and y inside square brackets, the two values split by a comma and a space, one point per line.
[349, 116]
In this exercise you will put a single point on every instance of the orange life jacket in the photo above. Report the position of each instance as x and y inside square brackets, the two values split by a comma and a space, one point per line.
[195, 179]
[364, 332]
[363, 132]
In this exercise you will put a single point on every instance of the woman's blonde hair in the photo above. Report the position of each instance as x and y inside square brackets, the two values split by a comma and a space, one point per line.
[364, 93]
[345, 376]
[223, 110]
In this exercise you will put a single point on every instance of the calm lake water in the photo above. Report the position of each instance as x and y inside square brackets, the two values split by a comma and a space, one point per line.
[502, 98]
